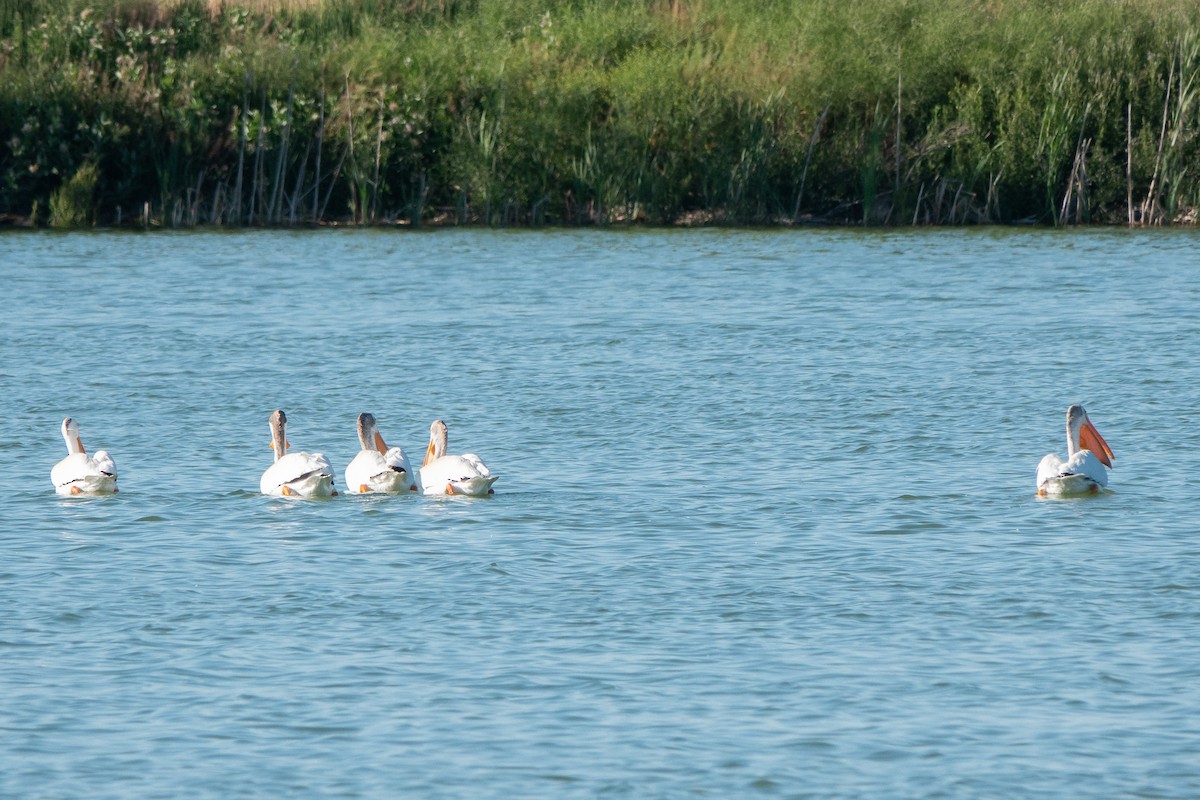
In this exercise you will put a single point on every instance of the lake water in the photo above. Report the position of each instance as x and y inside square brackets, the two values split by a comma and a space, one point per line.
[765, 523]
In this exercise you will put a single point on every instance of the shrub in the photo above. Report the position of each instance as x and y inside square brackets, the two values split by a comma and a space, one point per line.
[71, 204]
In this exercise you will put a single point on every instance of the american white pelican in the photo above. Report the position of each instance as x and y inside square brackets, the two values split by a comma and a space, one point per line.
[295, 474]
[79, 474]
[377, 467]
[1088, 455]
[443, 474]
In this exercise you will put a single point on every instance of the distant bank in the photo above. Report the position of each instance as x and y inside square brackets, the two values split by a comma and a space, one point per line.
[518, 112]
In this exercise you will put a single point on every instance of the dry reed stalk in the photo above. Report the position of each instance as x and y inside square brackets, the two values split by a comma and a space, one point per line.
[320, 143]
[807, 159]
[195, 198]
[419, 205]
[255, 187]
[237, 189]
[537, 214]
[355, 210]
[1076, 186]
[275, 207]
[1149, 205]
[1129, 164]
[1078, 177]
[896, 191]
[374, 204]
[993, 198]
[215, 214]
[345, 152]
[299, 185]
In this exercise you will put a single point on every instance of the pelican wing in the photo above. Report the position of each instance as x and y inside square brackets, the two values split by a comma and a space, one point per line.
[396, 460]
[304, 474]
[82, 474]
[465, 474]
[372, 471]
[1087, 464]
[1048, 467]
[1081, 473]
[104, 462]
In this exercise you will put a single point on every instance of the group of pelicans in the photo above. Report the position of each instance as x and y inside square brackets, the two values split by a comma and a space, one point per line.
[377, 469]
[382, 469]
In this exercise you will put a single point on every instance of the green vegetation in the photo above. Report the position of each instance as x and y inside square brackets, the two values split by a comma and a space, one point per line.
[71, 203]
[514, 112]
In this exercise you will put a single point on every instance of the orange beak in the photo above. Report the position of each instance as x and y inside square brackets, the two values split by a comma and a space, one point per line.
[428, 455]
[379, 445]
[79, 443]
[1090, 439]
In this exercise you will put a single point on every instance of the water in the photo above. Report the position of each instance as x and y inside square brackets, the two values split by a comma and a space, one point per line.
[765, 523]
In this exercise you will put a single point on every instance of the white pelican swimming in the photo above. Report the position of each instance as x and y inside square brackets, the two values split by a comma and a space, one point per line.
[1088, 456]
[377, 467]
[443, 474]
[295, 474]
[79, 474]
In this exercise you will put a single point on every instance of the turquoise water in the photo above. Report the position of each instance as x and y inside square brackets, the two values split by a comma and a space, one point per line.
[765, 523]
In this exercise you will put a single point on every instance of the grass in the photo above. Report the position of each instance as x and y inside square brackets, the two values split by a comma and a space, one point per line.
[514, 112]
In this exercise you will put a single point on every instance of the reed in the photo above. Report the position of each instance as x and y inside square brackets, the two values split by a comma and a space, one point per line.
[283, 112]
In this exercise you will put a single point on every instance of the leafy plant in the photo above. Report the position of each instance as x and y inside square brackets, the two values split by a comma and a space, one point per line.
[71, 204]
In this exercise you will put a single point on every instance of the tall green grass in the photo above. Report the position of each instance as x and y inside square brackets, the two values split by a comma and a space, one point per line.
[514, 112]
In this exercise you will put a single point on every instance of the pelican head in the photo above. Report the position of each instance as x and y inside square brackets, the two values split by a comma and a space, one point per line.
[1075, 417]
[1082, 435]
[279, 441]
[70, 432]
[368, 433]
[437, 442]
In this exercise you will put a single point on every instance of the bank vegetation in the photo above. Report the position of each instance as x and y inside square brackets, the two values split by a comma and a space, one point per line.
[584, 112]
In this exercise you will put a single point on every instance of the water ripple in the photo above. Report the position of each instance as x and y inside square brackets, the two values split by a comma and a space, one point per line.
[765, 523]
